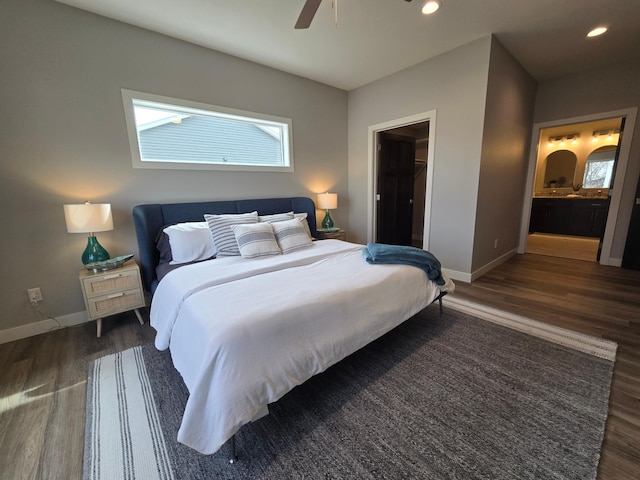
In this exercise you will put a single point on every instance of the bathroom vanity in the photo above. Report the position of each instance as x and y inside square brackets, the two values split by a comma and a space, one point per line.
[579, 216]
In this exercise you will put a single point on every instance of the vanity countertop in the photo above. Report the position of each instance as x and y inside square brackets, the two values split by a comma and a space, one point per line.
[572, 197]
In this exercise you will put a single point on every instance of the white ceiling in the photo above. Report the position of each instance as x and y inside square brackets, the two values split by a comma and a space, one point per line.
[375, 38]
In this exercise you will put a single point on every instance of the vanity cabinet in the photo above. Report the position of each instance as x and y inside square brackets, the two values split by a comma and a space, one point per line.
[588, 217]
[584, 217]
[550, 215]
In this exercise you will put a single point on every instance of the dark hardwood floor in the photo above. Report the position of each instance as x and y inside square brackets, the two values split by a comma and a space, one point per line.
[590, 298]
[43, 378]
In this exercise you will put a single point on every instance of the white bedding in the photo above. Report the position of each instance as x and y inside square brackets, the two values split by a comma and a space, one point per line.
[243, 333]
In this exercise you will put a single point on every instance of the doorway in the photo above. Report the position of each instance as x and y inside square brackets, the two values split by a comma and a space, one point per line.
[401, 184]
[401, 160]
[536, 180]
[574, 175]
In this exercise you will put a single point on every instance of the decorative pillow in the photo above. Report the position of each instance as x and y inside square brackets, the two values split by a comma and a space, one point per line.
[223, 238]
[255, 240]
[276, 217]
[305, 222]
[190, 242]
[291, 235]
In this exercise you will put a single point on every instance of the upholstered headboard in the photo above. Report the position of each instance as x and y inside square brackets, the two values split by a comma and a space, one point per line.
[150, 219]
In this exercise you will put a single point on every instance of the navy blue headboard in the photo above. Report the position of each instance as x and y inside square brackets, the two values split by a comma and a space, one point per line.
[149, 220]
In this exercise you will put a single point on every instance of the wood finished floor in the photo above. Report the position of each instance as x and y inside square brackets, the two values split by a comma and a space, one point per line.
[43, 384]
[578, 248]
[43, 378]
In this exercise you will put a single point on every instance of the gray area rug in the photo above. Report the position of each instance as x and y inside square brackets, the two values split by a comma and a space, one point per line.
[439, 397]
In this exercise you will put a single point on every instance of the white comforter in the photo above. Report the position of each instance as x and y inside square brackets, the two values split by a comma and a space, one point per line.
[245, 332]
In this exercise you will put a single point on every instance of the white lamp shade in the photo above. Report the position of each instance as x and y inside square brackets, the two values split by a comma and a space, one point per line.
[328, 201]
[88, 217]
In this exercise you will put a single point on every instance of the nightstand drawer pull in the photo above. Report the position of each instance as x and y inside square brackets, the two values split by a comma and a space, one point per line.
[109, 277]
[115, 295]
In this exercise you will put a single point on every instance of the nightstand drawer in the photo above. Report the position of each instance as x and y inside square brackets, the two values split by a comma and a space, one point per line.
[110, 282]
[110, 304]
[332, 234]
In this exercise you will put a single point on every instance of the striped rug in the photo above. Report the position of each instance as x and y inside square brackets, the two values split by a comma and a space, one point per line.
[439, 397]
[123, 434]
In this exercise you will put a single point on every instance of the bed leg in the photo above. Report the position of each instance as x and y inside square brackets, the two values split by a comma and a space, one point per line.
[234, 457]
[440, 303]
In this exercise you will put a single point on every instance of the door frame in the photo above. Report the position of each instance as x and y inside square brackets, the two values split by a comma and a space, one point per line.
[618, 182]
[372, 155]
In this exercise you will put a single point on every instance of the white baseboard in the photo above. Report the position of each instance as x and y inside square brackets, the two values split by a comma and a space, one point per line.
[43, 326]
[456, 275]
[615, 262]
[493, 264]
[469, 277]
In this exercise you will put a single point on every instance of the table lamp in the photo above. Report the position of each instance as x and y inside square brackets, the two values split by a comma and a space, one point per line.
[90, 218]
[327, 201]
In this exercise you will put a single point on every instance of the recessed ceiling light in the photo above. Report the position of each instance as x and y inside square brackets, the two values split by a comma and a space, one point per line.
[430, 7]
[597, 31]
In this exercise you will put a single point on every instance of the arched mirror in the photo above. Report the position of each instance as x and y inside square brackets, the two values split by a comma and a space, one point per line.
[599, 167]
[559, 169]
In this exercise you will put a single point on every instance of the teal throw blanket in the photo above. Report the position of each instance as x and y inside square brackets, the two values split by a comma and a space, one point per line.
[380, 253]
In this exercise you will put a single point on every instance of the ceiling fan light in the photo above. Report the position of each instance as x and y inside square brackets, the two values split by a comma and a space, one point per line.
[431, 6]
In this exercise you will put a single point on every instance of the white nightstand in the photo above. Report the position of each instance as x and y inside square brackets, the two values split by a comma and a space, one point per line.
[334, 234]
[112, 291]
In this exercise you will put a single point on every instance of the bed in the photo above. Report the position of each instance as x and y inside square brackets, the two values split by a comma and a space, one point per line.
[243, 331]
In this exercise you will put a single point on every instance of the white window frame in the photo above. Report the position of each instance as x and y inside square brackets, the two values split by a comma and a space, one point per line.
[187, 106]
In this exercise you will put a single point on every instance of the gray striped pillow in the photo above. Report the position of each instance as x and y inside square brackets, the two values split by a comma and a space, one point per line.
[255, 240]
[291, 235]
[223, 237]
[276, 217]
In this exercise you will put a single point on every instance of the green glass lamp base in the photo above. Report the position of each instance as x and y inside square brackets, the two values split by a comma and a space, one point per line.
[327, 221]
[94, 252]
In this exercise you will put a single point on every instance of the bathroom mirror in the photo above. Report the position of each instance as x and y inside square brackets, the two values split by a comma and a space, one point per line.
[599, 167]
[559, 169]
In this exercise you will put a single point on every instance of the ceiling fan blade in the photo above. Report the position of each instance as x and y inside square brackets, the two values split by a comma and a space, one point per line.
[308, 12]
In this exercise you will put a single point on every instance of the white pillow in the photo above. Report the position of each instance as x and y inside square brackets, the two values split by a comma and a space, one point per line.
[255, 240]
[190, 242]
[291, 235]
[223, 237]
[276, 217]
[305, 223]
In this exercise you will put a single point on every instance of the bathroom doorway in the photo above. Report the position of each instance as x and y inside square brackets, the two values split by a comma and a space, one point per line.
[574, 186]
[574, 173]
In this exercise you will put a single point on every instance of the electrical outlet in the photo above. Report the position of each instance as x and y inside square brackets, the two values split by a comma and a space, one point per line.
[35, 295]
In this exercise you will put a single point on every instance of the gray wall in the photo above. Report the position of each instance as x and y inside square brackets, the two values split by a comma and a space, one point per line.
[603, 90]
[505, 153]
[455, 85]
[63, 139]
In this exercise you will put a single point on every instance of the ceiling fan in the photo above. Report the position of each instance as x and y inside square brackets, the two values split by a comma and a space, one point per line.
[309, 11]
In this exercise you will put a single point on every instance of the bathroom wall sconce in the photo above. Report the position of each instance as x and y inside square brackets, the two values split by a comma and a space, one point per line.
[605, 133]
[563, 140]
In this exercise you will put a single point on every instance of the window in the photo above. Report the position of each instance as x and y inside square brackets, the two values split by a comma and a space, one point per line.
[599, 167]
[179, 134]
